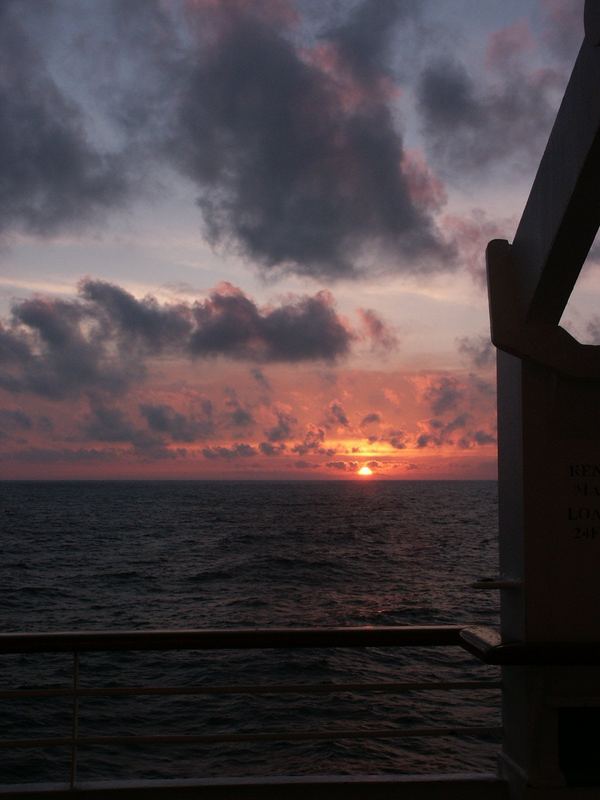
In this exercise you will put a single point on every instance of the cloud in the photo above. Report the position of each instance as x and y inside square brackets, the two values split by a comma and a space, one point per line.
[508, 45]
[484, 388]
[439, 433]
[295, 150]
[342, 466]
[398, 439]
[103, 340]
[313, 442]
[483, 437]
[238, 416]
[464, 412]
[261, 379]
[593, 330]
[242, 418]
[478, 350]
[300, 464]
[563, 27]
[56, 348]
[291, 140]
[371, 419]
[284, 427]
[52, 176]
[163, 419]
[229, 453]
[443, 394]
[132, 321]
[380, 334]
[470, 234]
[336, 415]
[109, 424]
[364, 39]
[13, 418]
[469, 127]
[305, 328]
[268, 449]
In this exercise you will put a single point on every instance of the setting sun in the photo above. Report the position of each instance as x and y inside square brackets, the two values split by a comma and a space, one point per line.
[365, 471]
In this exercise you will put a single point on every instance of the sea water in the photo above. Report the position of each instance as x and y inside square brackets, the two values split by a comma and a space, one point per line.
[139, 555]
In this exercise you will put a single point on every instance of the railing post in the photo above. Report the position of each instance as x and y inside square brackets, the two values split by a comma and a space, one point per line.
[74, 721]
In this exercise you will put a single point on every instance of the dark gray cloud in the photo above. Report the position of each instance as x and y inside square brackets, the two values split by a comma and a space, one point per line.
[484, 437]
[45, 424]
[165, 420]
[109, 424]
[313, 443]
[371, 419]
[56, 348]
[398, 439]
[134, 321]
[261, 379]
[342, 466]
[482, 387]
[11, 419]
[443, 395]
[365, 38]
[336, 415]
[469, 126]
[379, 332]
[229, 453]
[101, 341]
[242, 418]
[296, 153]
[479, 350]
[291, 140]
[229, 323]
[439, 433]
[283, 428]
[238, 415]
[269, 449]
[52, 176]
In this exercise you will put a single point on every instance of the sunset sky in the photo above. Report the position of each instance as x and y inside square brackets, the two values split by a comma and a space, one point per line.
[244, 238]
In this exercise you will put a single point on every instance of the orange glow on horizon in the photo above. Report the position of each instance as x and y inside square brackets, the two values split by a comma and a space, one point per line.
[365, 471]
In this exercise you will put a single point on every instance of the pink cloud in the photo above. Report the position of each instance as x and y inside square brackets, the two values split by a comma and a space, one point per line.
[377, 330]
[470, 234]
[563, 31]
[509, 45]
[426, 190]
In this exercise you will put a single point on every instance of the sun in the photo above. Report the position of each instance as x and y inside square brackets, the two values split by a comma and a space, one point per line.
[365, 471]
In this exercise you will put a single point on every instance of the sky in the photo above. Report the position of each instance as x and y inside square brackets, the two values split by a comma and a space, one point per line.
[245, 238]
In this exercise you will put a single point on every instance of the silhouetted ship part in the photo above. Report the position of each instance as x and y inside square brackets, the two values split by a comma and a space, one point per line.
[549, 494]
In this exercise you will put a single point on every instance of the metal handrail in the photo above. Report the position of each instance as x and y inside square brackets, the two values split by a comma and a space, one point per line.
[248, 689]
[77, 642]
[258, 736]
[232, 639]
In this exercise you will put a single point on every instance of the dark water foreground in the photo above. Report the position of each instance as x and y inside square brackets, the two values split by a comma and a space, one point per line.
[232, 554]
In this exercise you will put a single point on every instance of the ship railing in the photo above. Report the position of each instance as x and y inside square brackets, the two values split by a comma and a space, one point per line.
[77, 643]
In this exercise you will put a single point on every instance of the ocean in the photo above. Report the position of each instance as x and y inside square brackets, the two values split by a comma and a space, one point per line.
[136, 555]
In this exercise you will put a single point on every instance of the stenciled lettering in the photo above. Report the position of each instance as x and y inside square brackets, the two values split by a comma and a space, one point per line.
[585, 514]
[584, 470]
